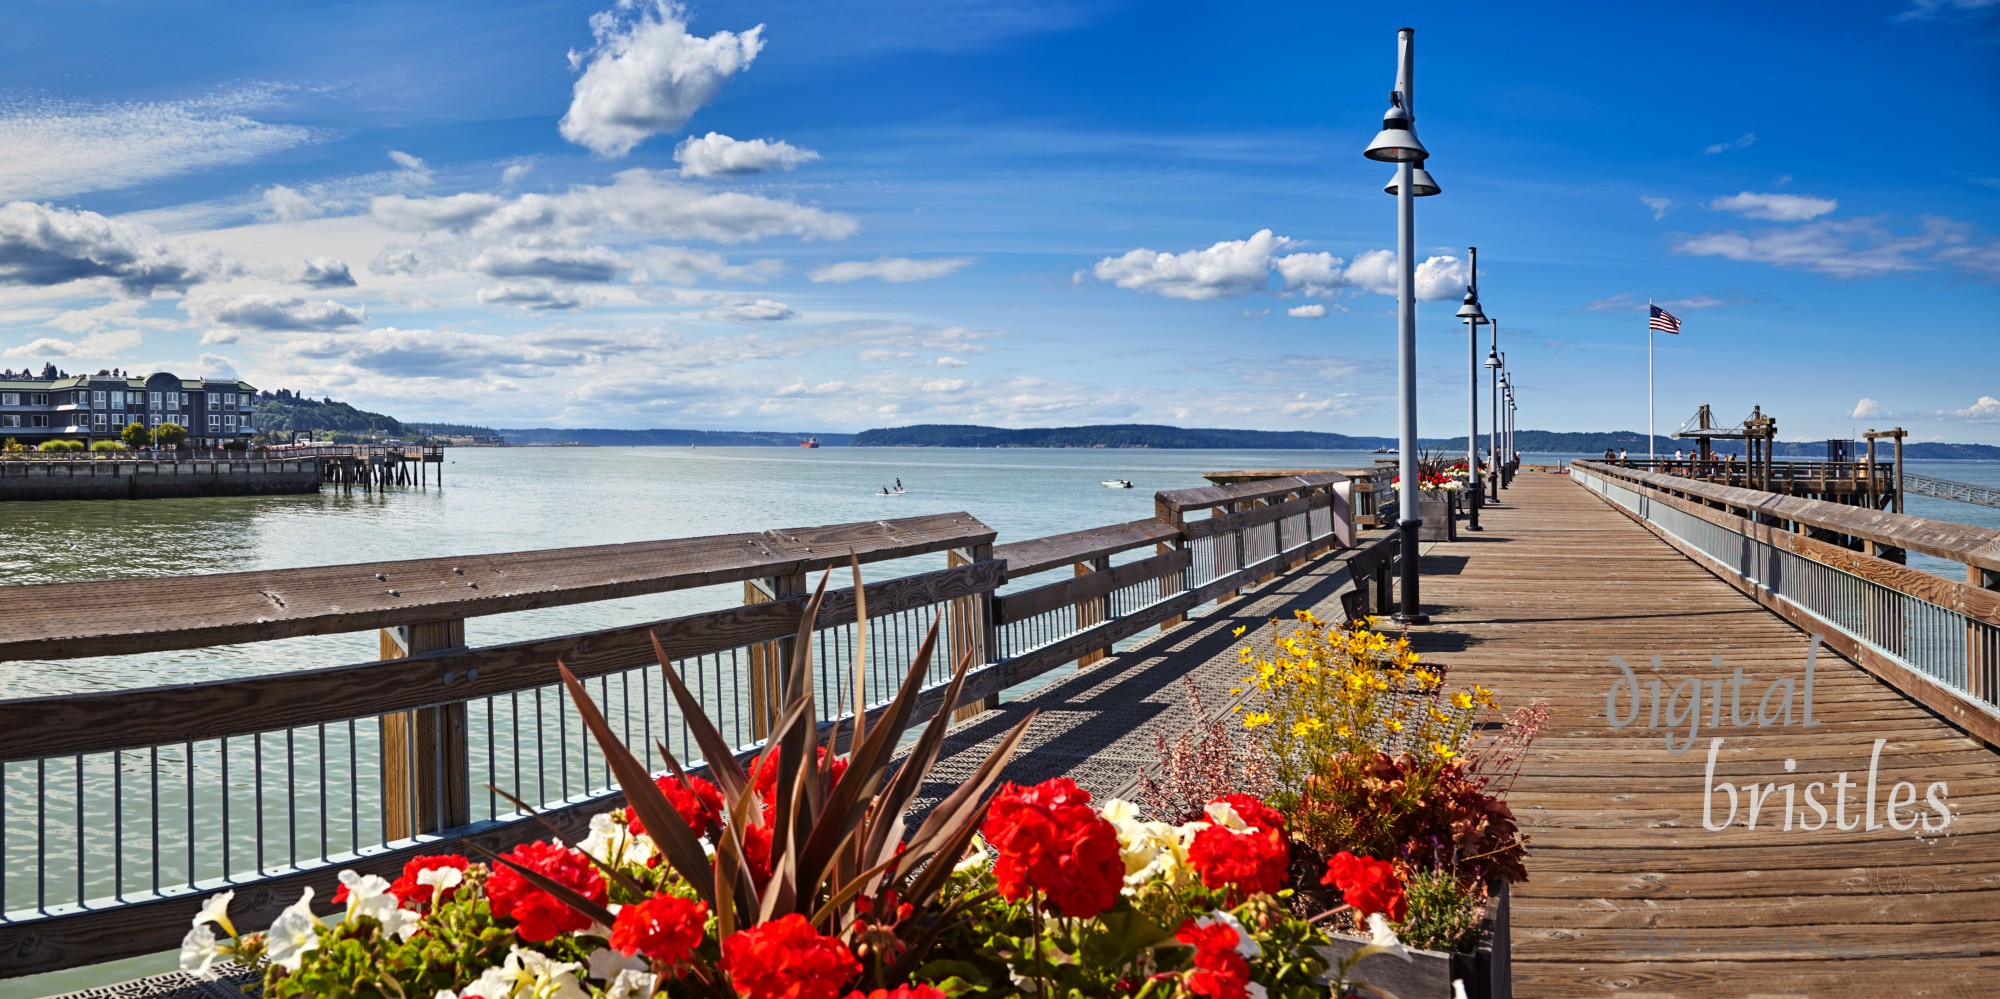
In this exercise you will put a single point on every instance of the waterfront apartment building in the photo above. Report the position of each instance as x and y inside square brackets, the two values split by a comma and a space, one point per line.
[98, 407]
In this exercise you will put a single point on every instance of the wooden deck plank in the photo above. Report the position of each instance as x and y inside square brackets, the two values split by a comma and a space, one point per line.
[1628, 893]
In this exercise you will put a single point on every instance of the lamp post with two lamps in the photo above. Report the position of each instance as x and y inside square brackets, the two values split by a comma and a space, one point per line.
[1474, 318]
[1397, 143]
[1493, 440]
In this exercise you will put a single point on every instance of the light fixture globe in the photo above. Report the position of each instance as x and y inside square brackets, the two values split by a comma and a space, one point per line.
[1470, 310]
[1492, 360]
[1397, 142]
[1421, 184]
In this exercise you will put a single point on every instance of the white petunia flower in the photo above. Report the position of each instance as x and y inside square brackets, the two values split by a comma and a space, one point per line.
[1256, 991]
[1222, 814]
[447, 994]
[1151, 850]
[198, 952]
[216, 910]
[630, 985]
[293, 934]
[975, 858]
[1382, 935]
[612, 842]
[368, 897]
[441, 880]
[606, 964]
[1458, 988]
[1246, 945]
[1119, 810]
[529, 974]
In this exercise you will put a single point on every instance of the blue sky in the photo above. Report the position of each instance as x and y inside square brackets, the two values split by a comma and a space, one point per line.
[826, 216]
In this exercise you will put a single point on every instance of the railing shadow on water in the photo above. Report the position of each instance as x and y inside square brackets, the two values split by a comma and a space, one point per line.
[122, 809]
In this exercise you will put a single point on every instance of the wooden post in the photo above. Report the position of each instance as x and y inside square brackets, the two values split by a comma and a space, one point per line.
[1341, 515]
[1172, 583]
[971, 622]
[1872, 503]
[1982, 642]
[769, 660]
[425, 783]
[1093, 611]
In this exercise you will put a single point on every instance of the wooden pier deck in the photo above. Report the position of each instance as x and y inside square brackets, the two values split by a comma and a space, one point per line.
[1628, 895]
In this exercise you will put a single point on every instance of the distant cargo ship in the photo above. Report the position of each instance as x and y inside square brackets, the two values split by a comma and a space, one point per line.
[809, 442]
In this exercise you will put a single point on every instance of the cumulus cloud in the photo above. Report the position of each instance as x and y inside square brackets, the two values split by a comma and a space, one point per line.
[1776, 207]
[56, 149]
[895, 270]
[42, 246]
[515, 172]
[288, 205]
[279, 313]
[321, 272]
[535, 296]
[948, 361]
[1313, 311]
[1658, 205]
[1437, 278]
[637, 202]
[1228, 269]
[1311, 273]
[760, 310]
[1986, 410]
[217, 366]
[1740, 142]
[1867, 409]
[645, 74]
[718, 155]
[410, 163]
[105, 345]
[594, 264]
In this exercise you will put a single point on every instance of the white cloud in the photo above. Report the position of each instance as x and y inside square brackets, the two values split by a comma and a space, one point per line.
[636, 202]
[1867, 409]
[1437, 278]
[288, 205]
[97, 346]
[1776, 207]
[1920, 10]
[718, 155]
[1311, 273]
[645, 74]
[217, 366]
[535, 296]
[515, 172]
[409, 162]
[1986, 410]
[1853, 248]
[948, 361]
[1658, 205]
[55, 149]
[1313, 311]
[1228, 269]
[594, 264]
[321, 272]
[42, 246]
[286, 313]
[1740, 142]
[895, 270]
[760, 310]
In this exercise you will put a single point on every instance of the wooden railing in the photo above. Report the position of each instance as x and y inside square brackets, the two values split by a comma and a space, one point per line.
[1836, 570]
[146, 800]
[409, 452]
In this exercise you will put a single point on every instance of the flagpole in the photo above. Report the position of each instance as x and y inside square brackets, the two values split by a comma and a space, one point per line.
[1650, 455]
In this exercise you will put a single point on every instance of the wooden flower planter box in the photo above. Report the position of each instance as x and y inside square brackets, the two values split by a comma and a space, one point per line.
[1486, 972]
[1439, 512]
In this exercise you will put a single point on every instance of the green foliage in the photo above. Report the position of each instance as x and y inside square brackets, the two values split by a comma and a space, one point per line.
[136, 435]
[1445, 911]
[237, 444]
[170, 434]
[108, 445]
[60, 447]
[283, 413]
[11, 446]
[357, 960]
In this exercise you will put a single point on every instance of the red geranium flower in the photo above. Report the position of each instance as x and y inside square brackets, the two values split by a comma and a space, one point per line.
[541, 916]
[764, 777]
[1219, 971]
[1369, 885]
[1048, 838]
[665, 928]
[407, 888]
[757, 850]
[787, 959]
[1252, 861]
[698, 802]
[917, 991]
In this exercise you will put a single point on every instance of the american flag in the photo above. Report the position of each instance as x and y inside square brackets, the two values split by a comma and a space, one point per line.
[1663, 320]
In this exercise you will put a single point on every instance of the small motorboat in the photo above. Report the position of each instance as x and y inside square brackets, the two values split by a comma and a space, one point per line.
[1116, 483]
[1385, 450]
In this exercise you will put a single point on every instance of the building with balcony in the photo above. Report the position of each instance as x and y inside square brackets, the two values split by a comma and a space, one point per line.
[98, 407]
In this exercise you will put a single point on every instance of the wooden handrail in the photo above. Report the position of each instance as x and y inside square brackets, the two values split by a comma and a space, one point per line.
[1173, 502]
[112, 617]
[1025, 558]
[1964, 543]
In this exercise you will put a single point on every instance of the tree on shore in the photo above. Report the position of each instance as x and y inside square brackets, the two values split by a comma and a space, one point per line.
[136, 435]
[170, 434]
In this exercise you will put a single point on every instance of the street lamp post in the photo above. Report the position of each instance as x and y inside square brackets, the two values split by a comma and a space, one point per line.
[1493, 376]
[1397, 143]
[1474, 318]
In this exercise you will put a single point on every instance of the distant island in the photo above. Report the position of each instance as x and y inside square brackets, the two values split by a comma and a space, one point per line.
[669, 438]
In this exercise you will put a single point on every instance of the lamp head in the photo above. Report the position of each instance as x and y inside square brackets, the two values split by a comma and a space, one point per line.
[1421, 183]
[1471, 310]
[1397, 142]
[1492, 360]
